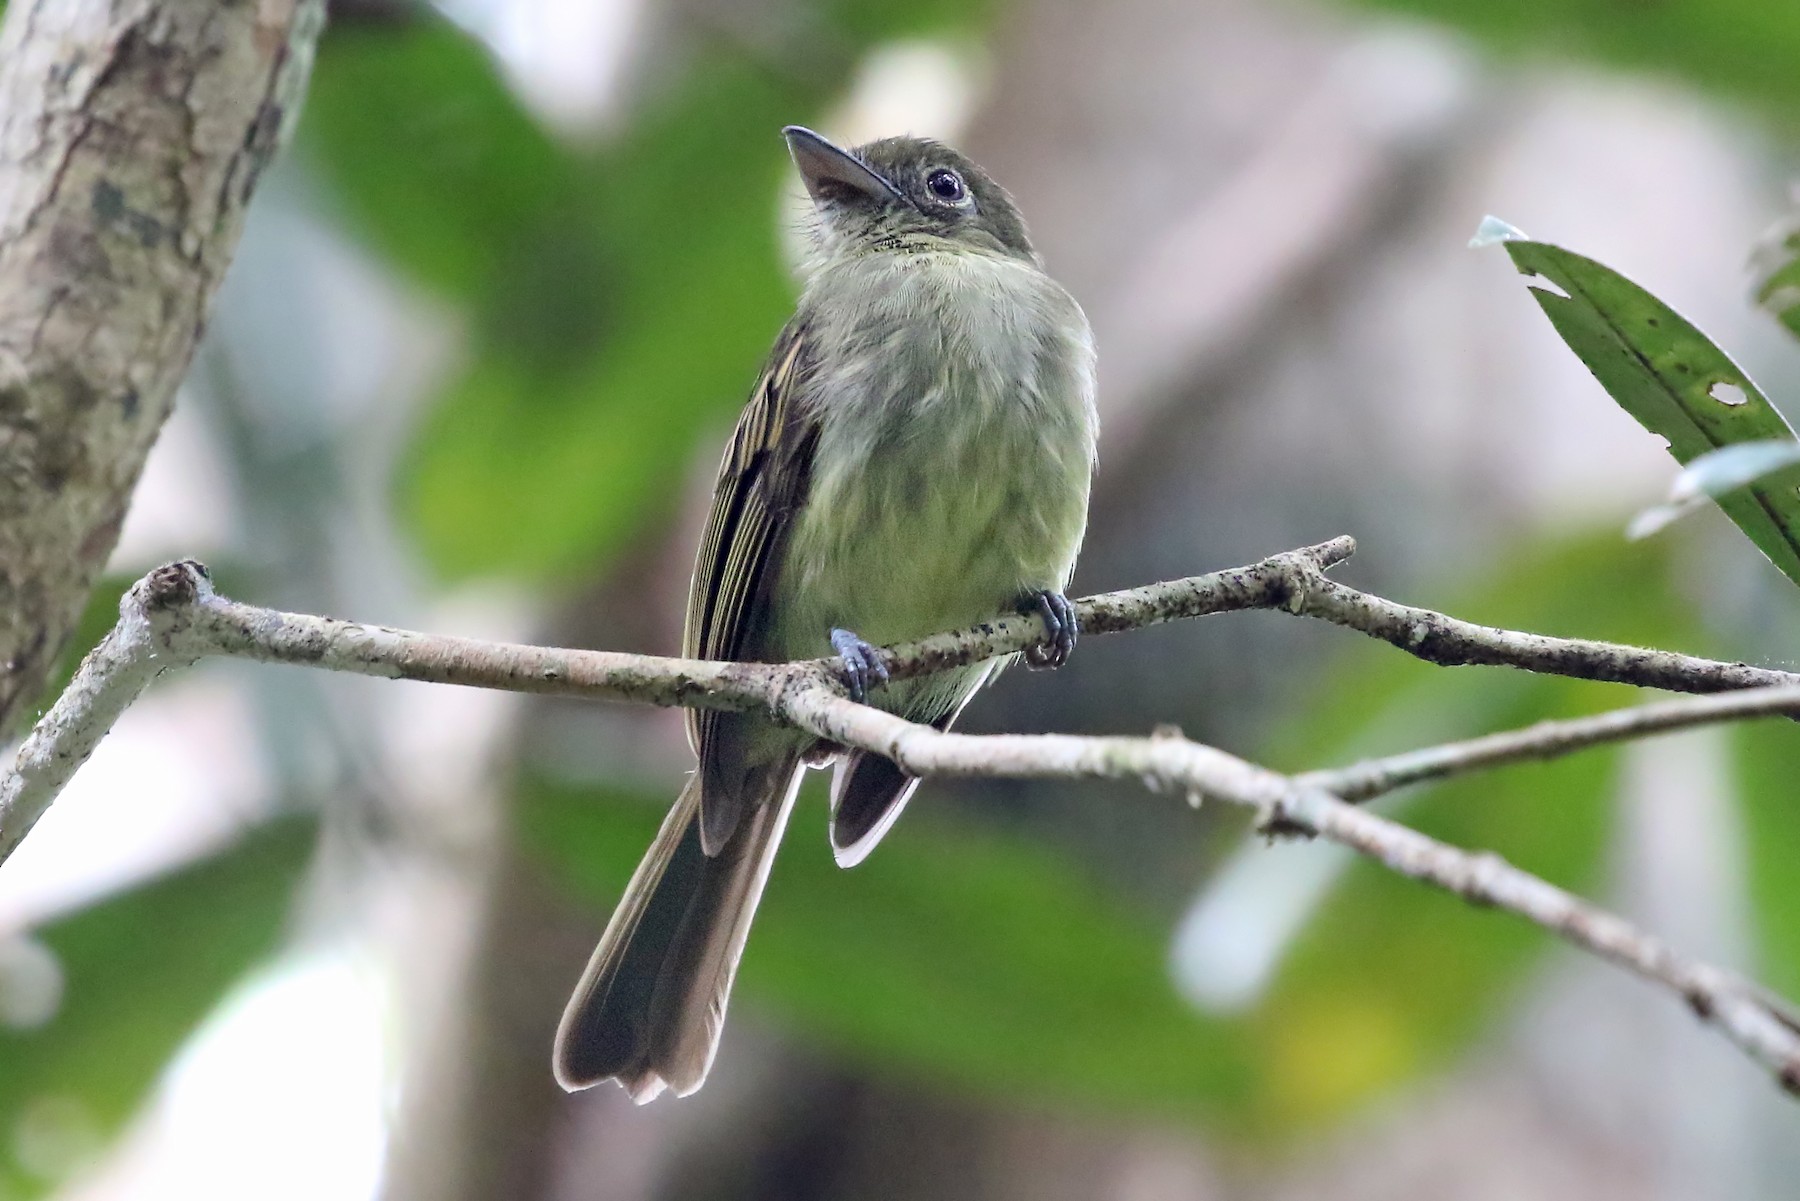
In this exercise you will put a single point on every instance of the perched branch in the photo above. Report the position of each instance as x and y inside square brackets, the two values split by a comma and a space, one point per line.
[172, 618]
[132, 134]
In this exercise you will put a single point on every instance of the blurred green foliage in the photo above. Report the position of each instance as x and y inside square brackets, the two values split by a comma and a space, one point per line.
[952, 955]
[1777, 265]
[1673, 379]
[1389, 979]
[139, 971]
[618, 299]
[1741, 49]
[1768, 765]
[959, 957]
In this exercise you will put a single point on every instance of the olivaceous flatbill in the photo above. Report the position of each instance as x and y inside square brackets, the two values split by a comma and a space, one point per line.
[915, 457]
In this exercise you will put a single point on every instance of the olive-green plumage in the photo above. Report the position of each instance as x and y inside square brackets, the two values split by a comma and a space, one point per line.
[915, 457]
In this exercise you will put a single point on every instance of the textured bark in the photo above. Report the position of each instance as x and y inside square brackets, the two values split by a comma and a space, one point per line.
[132, 134]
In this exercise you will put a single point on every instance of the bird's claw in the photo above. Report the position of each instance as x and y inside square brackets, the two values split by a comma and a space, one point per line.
[1062, 627]
[863, 668]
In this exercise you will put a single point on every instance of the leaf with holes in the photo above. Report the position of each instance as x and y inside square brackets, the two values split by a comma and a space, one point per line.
[1672, 378]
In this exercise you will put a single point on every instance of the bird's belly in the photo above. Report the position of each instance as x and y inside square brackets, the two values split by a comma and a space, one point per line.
[955, 449]
[930, 535]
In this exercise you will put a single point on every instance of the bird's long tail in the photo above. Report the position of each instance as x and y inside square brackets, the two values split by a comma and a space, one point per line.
[650, 1006]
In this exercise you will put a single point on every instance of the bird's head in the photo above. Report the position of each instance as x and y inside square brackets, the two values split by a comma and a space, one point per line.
[905, 190]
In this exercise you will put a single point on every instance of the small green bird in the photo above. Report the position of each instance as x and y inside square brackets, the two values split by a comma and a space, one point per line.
[915, 457]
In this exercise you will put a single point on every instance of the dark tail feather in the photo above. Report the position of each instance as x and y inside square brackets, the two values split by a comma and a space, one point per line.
[867, 795]
[650, 1006]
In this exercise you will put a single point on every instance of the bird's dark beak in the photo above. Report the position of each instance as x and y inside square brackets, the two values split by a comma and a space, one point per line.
[825, 167]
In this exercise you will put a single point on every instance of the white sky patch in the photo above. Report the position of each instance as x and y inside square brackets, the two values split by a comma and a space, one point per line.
[181, 508]
[1232, 939]
[282, 1095]
[924, 87]
[564, 58]
[179, 774]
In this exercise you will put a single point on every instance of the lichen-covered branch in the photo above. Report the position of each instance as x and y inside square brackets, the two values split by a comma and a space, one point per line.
[173, 618]
[132, 134]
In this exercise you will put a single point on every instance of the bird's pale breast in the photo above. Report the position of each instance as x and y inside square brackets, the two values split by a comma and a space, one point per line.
[955, 450]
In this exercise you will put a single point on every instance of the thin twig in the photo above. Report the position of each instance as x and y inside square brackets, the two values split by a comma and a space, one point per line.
[1548, 740]
[1450, 642]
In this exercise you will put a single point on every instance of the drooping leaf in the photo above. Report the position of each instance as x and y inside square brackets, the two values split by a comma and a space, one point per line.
[1673, 379]
[136, 972]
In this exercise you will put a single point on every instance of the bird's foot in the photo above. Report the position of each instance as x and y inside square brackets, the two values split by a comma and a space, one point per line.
[863, 668]
[1060, 622]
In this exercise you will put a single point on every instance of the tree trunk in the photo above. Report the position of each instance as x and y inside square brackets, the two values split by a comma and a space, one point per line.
[132, 134]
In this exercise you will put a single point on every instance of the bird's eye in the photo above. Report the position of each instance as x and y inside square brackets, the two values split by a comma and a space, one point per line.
[946, 185]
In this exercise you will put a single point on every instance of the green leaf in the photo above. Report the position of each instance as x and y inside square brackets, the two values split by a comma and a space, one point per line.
[1768, 763]
[139, 971]
[1672, 379]
[437, 164]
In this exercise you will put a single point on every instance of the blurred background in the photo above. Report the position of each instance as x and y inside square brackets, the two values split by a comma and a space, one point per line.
[293, 935]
